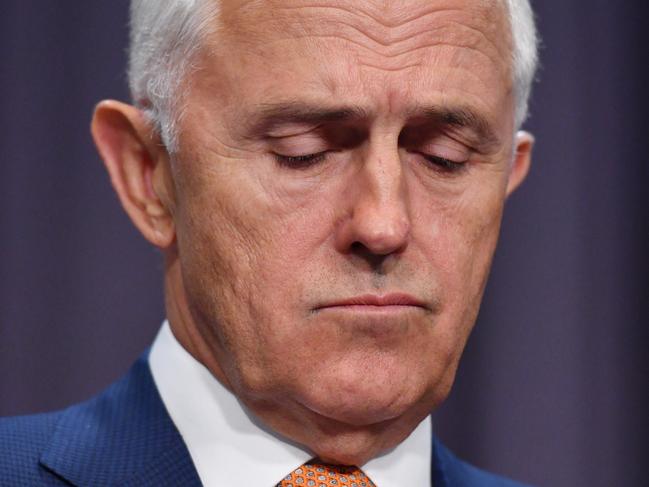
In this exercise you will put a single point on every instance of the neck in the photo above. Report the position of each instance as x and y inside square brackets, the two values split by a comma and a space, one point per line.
[183, 322]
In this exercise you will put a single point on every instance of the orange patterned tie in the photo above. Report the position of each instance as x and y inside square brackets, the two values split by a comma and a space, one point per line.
[314, 474]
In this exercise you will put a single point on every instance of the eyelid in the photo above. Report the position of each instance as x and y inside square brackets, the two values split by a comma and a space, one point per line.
[298, 145]
[452, 152]
[446, 165]
[289, 131]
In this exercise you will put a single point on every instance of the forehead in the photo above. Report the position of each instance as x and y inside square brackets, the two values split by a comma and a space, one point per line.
[387, 23]
[365, 52]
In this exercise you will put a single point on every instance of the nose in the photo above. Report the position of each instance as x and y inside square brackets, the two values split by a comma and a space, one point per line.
[377, 221]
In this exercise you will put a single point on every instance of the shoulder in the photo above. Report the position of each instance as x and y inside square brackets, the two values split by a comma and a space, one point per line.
[123, 436]
[36, 449]
[22, 440]
[450, 471]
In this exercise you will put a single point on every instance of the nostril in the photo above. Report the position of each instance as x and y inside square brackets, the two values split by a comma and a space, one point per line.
[357, 248]
[376, 260]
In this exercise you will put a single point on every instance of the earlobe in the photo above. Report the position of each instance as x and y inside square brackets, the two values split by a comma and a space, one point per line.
[134, 159]
[522, 160]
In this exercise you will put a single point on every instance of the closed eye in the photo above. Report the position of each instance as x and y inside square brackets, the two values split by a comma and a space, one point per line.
[301, 161]
[304, 161]
[445, 165]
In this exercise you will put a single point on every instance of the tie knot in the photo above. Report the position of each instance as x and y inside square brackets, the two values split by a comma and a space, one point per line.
[315, 474]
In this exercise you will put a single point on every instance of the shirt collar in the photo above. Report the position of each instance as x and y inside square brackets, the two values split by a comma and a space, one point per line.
[224, 439]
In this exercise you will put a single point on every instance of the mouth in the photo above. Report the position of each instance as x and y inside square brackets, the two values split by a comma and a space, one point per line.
[393, 302]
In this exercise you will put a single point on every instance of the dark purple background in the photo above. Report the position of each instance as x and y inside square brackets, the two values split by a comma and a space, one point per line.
[551, 390]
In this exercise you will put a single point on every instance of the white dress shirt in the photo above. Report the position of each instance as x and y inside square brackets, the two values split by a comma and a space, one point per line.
[224, 438]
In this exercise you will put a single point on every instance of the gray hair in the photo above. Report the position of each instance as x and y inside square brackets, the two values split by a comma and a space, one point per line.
[525, 55]
[166, 34]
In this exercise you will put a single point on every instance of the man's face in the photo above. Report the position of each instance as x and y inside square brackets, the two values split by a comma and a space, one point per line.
[338, 194]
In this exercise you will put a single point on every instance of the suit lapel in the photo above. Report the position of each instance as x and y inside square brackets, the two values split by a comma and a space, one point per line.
[439, 477]
[122, 437]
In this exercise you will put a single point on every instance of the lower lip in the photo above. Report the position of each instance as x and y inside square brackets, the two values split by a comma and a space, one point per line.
[372, 309]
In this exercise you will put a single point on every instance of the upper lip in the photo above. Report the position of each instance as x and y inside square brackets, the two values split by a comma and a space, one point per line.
[392, 299]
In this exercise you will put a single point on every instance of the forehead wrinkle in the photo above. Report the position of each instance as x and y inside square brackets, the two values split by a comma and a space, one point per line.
[477, 36]
[395, 58]
[451, 26]
[401, 53]
[390, 69]
[392, 14]
[392, 35]
[375, 26]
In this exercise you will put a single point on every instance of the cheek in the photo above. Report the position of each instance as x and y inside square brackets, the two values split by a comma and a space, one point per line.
[470, 234]
[459, 240]
[247, 252]
[217, 263]
[220, 244]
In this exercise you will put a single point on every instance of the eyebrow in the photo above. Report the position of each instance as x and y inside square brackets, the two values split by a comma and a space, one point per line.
[268, 117]
[461, 118]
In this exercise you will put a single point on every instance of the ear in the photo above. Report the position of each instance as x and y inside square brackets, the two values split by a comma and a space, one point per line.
[139, 168]
[522, 160]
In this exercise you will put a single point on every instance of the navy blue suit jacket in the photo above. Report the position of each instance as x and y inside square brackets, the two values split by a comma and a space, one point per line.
[125, 437]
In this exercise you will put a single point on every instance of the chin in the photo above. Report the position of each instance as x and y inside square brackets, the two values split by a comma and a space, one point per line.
[363, 396]
[359, 413]
[358, 433]
[363, 406]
